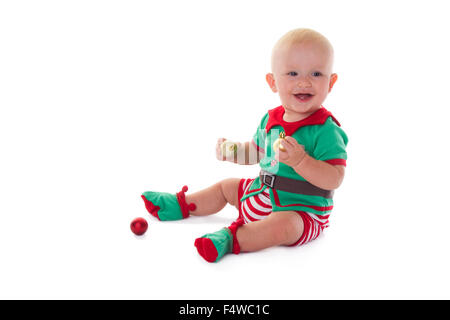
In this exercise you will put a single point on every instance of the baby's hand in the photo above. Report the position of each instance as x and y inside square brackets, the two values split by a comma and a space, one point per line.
[219, 154]
[226, 150]
[294, 153]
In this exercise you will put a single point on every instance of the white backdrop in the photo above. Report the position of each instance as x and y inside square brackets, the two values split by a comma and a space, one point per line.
[102, 100]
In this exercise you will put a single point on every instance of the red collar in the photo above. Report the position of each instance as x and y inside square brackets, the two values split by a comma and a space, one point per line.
[276, 118]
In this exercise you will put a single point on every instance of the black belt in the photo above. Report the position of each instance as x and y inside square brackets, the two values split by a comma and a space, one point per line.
[291, 185]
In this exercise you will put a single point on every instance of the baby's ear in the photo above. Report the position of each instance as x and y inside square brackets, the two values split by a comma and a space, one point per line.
[271, 81]
[333, 79]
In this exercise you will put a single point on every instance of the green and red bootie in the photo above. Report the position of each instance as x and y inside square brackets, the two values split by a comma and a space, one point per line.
[167, 206]
[213, 246]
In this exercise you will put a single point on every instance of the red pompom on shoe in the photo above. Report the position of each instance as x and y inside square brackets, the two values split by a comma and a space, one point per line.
[184, 206]
[233, 228]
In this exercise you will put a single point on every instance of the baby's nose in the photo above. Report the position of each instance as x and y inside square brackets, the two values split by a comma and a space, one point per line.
[304, 83]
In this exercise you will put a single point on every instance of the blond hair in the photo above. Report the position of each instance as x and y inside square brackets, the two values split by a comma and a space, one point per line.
[299, 36]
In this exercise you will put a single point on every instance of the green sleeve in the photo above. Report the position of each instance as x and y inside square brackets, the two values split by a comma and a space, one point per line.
[330, 142]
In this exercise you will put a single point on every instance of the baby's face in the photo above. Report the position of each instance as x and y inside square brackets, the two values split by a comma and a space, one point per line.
[302, 76]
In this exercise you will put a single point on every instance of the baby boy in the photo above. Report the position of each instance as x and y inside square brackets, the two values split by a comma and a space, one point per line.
[300, 148]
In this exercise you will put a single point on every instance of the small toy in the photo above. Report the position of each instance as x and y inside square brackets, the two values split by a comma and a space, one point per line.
[139, 226]
[277, 144]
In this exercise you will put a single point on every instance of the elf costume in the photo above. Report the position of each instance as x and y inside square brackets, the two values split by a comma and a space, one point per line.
[322, 138]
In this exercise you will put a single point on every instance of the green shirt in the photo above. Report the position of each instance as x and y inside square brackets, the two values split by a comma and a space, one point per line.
[323, 139]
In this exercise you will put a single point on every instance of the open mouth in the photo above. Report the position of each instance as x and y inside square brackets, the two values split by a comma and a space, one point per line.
[303, 97]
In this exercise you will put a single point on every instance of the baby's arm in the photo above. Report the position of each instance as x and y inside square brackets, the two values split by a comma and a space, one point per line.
[246, 153]
[320, 173]
[316, 172]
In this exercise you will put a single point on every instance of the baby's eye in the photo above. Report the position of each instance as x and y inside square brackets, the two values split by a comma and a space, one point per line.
[316, 74]
[293, 73]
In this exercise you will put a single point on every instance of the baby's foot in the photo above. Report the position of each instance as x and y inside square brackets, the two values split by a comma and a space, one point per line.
[213, 246]
[166, 206]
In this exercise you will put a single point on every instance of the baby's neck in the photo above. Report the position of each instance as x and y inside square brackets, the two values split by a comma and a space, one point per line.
[295, 116]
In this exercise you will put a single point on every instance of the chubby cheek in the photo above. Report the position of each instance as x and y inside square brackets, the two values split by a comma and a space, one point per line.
[284, 93]
[287, 98]
[319, 98]
[287, 91]
[322, 92]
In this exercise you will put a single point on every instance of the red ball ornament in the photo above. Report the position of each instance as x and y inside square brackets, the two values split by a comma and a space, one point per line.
[139, 226]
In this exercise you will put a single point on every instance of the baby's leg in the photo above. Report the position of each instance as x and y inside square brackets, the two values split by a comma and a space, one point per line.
[279, 228]
[166, 206]
[213, 199]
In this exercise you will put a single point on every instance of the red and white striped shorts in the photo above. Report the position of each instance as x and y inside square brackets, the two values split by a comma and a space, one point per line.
[259, 207]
